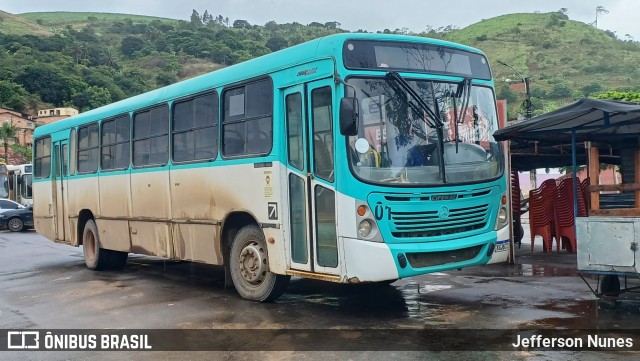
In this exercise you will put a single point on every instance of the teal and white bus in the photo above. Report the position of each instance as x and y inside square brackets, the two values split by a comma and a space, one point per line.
[350, 158]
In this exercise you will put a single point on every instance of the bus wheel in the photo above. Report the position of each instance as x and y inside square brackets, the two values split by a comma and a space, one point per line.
[249, 266]
[610, 285]
[95, 257]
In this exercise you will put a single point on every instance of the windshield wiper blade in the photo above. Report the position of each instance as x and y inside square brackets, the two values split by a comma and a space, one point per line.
[463, 91]
[416, 97]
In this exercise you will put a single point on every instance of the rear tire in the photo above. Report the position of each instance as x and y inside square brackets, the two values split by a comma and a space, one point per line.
[249, 266]
[95, 257]
[15, 224]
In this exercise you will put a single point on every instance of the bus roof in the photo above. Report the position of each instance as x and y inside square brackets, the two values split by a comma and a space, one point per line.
[325, 46]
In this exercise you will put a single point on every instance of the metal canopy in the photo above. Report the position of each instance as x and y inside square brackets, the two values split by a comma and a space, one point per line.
[550, 140]
[589, 119]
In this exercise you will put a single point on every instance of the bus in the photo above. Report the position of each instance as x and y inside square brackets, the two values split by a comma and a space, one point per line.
[20, 183]
[5, 189]
[352, 158]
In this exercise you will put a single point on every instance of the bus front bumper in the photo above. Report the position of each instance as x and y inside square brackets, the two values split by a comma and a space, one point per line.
[372, 261]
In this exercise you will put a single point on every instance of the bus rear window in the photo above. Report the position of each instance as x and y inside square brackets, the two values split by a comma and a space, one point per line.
[414, 57]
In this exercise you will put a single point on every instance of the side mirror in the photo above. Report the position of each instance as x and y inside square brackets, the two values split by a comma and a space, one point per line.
[349, 116]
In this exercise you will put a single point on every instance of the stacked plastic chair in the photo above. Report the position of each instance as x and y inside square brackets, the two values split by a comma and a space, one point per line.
[516, 206]
[541, 213]
[564, 214]
[586, 195]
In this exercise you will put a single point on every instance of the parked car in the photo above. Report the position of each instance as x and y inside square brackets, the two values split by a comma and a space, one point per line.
[16, 220]
[8, 204]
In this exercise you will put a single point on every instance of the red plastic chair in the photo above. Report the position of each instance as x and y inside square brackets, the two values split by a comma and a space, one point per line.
[515, 195]
[541, 213]
[586, 195]
[516, 204]
[565, 221]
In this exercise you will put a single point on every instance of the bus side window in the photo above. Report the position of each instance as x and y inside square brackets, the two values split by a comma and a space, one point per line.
[72, 147]
[42, 158]
[151, 136]
[195, 128]
[247, 123]
[88, 152]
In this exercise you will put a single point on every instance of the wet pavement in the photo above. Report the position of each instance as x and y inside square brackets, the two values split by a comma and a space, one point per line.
[45, 285]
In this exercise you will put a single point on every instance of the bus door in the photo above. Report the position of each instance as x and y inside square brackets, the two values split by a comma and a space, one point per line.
[61, 172]
[313, 242]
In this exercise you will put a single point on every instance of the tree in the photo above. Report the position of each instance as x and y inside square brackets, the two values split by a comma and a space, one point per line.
[600, 10]
[92, 97]
[109, 58]
[238, 24]
[130, 45]
[276, 43]
[12, 95]
[205, 17]
[54, 84]
[7, 132]
[196, 20]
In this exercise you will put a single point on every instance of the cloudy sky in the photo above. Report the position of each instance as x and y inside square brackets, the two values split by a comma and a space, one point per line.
[370, 15]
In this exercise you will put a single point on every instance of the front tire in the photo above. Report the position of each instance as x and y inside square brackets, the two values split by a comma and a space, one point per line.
[15, 225]
[249, 266]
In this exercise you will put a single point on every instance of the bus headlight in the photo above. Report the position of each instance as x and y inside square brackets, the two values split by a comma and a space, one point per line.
[365, 228]
[503, 212]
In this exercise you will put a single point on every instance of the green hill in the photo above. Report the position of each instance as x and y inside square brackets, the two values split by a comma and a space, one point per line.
[565, 59]
[18, 25]
[98, 58]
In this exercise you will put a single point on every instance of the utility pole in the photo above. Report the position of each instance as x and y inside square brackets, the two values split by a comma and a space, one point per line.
[528, 113]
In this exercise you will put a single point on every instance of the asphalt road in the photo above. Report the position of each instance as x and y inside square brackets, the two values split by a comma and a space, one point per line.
[44, 285]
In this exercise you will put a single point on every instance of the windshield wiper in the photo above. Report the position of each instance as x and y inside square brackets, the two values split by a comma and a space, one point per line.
[463, 91]
[436, 122]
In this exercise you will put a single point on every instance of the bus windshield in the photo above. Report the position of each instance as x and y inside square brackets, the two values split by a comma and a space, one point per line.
[4, 185]
[397, 141]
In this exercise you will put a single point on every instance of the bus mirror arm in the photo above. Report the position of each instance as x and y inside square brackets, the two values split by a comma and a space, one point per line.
[349, 116]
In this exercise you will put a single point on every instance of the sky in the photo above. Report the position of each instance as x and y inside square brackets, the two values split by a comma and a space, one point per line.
[369, 15]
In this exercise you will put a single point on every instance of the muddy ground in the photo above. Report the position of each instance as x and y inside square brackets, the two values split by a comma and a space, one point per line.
[45, 285]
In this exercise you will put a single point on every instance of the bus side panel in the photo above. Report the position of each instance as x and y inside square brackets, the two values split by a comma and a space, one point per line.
[249, 188]
[114, 234]
[193, 194]
[193, 197]
[150, 206]
[194, 242]
[43, 209]
[150, 195]
[82, 194]
[114, 196]
[151, 238]
[114, 203]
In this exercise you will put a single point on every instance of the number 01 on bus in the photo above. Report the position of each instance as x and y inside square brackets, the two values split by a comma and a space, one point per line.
[354, 158]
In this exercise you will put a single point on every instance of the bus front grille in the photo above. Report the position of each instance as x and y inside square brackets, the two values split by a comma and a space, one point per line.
[433, 224]
[428, 259]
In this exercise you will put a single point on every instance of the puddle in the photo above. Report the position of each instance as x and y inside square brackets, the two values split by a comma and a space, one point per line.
[529, 270]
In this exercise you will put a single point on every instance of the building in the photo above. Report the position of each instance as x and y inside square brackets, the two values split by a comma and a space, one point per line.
[25, 125]
[46, 116]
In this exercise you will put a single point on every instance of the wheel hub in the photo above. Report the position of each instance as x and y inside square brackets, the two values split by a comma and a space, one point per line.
[253, 263]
